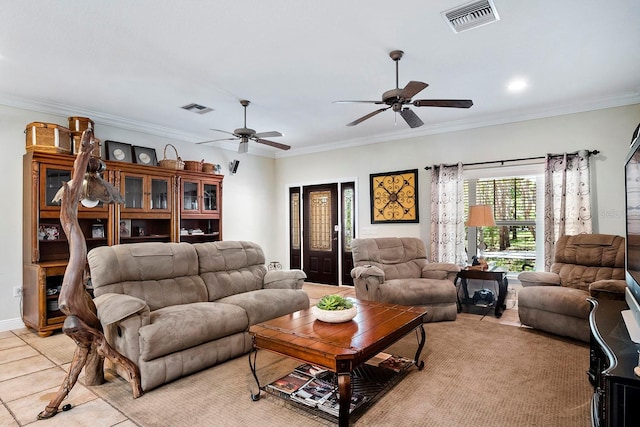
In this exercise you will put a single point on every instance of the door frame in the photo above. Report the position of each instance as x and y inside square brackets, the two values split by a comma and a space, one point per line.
[339, 182]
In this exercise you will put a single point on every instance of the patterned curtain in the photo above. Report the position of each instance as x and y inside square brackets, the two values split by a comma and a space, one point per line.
[447, 214]
[567, 199]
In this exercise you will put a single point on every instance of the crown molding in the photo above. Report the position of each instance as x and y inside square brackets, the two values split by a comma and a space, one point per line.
[64, 110]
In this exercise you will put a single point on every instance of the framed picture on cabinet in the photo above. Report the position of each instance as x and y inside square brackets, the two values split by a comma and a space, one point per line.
[125, 228]
[118, 151]
[394, 197]
[97, 231]
[48, 232]
[145, 156]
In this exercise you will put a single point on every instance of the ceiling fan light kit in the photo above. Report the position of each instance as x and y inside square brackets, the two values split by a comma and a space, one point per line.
[397, 99]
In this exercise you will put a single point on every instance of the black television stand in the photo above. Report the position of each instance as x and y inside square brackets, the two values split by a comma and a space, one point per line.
[613, 356]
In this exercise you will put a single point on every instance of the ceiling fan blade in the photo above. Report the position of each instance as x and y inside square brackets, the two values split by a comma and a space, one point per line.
[215, 140]
[270, 134]
[368, 116]
[411, 118]
[360, 102]
[411, 89]
[224, 131]
[272, 144]
[452, 103]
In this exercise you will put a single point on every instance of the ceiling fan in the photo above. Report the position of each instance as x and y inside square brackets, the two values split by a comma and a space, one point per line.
[397, 98]
[244, 134]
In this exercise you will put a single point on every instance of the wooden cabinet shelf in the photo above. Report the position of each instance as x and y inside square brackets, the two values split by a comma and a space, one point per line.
[158, 204]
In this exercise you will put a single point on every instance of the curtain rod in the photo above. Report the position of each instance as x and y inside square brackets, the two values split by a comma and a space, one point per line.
[502, 162]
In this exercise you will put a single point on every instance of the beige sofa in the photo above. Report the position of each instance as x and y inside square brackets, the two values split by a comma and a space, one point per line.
[585, 265]
[177, 308]
[395, 270]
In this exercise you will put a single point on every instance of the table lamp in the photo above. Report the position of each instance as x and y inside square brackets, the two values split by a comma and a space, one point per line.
[481, 216]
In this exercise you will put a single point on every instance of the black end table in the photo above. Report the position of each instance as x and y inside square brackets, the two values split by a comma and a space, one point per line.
[498, 276]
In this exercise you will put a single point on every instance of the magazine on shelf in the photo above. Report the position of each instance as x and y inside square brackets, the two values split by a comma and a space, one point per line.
[314, 392]
[396, 363]
[289, 383]
[390, 361]
[332, 404]
[311, 370]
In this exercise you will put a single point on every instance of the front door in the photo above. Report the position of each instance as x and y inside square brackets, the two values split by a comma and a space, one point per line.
[320, 233]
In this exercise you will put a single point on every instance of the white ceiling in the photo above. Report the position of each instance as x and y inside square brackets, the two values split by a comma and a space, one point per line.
[133, 64]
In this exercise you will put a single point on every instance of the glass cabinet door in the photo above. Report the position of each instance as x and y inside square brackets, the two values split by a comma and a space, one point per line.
[190, 196]
[133, 192]
[54, 178]
[160, 194]
[209, 197]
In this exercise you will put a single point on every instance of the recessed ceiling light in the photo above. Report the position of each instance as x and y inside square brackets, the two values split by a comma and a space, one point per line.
[517, 85]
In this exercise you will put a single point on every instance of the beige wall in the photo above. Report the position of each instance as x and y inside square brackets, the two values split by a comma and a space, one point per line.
[608, 131]
[255, 199]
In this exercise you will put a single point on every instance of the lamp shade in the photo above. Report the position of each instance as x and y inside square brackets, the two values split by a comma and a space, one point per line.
[481, 216]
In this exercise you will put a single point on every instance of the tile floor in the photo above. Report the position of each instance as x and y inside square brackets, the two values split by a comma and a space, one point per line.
[32, 369]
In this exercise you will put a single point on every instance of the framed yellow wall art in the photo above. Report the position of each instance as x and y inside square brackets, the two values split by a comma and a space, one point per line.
[394, 196]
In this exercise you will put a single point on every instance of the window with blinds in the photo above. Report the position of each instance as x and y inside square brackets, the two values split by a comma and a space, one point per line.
[511, 244]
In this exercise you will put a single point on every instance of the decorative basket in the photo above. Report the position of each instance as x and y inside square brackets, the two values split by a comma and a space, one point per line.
[208, 167]
[192, 165]
[176, 164]
[80, 124]
[48, 137]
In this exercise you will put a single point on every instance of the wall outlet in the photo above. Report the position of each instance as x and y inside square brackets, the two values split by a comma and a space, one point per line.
[17, 291]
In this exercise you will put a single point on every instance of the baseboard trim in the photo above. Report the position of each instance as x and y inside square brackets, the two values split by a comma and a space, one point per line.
[11, 324]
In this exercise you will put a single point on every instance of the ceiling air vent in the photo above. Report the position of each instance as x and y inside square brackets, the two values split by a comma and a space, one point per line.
[197, 108]
[471, 15]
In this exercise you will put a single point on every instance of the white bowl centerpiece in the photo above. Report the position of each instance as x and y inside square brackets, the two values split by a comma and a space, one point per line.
[334, 309]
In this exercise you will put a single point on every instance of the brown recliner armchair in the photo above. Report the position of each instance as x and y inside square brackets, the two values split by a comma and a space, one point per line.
[395, 270]
[585, 265]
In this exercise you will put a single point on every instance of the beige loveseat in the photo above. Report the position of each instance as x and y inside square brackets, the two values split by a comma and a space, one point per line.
[395, 270]
[585, 265]
[177, 308]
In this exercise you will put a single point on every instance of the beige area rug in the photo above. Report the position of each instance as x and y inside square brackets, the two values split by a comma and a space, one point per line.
[476, 374]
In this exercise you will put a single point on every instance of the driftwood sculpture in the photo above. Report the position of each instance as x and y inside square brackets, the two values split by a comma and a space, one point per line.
[82, 324]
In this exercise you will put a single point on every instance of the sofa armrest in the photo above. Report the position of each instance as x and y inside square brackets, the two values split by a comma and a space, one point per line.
[365, 271]
[440, 270]
[366, 281]
[113, 308]
[284, 279]
[608, 289]
[538, 278]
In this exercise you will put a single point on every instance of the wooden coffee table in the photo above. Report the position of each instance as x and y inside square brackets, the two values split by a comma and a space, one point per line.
[338, 347]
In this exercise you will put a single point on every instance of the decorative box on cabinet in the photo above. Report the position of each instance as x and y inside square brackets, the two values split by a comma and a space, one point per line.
[200, 207]
[616, 389]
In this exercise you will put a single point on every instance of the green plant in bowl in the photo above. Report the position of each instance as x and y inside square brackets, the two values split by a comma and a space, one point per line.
[334, 302]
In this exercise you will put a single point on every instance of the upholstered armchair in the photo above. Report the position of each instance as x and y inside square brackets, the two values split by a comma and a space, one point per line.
[585, 265]
[395, 270]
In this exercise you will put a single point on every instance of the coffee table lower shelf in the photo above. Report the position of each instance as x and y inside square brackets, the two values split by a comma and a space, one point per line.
[371, 381]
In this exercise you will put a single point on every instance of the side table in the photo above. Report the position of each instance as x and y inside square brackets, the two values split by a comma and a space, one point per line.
[498, 276]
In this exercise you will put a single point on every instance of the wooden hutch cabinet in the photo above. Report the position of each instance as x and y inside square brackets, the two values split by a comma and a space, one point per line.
[159, 203]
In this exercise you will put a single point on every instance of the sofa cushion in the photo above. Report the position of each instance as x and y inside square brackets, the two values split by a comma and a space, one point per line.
[417, 291]
[556, 299]
[230, 267]
[179, 327]
[267, 304]
[161, 274]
